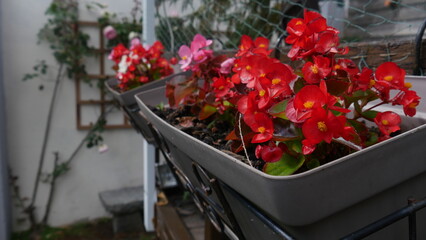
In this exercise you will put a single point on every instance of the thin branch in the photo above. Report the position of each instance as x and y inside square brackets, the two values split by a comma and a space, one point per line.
[80, 145]
[52, 190]
[45, 140]
[16, 193]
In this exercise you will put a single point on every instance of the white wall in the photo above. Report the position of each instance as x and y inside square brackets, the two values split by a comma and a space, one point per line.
[26, 112]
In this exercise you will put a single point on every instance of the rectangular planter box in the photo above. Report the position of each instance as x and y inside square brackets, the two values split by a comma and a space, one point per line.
[128, 98]
[130, 108]
[326, 202]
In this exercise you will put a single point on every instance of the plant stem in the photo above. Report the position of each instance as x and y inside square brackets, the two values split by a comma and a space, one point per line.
[242, 140]
[54, 173]
[375, 106]
[43, 150]
[51, 191]
[16, 193]
[80, 145]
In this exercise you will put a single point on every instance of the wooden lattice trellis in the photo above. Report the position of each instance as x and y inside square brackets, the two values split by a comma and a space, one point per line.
[102, 102]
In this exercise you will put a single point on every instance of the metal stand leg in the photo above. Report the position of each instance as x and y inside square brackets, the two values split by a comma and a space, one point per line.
[150, 196]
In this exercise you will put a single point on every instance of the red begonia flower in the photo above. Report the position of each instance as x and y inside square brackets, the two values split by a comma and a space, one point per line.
[269, 153]
[262, 125]
[363, 80]
[409, 100]
[221, 86]
[246, 103]
[117, 52]
[302, 31]
[246, 44]
[308, 98]
[322, 126]
[346, 65]
[313, 72]
[389, 75]
[252, 68]
[388, 122]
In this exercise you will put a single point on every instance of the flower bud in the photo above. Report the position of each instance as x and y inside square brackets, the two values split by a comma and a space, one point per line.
[109, 32]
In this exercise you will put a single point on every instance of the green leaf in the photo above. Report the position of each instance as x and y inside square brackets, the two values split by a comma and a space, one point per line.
[368, 95]
[227, 104]
[207, 111]
[372, 139]
[359, 126]
[312, 164]
[161, 106]
[29, 76]
[296, 146]
[369, 114]
[278, 110]
[287, 165]
[357, 107]
[298, 85]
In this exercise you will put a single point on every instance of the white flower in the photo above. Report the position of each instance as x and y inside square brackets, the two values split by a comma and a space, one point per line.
[122, 66]
[102, 148]
[133, 35]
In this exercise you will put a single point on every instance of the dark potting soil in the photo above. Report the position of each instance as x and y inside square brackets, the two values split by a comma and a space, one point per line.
[211, 133]
[214, 134]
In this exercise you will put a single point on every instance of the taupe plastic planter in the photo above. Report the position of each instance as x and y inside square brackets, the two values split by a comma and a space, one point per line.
[326, 202]
[129, 107]
[128, 98]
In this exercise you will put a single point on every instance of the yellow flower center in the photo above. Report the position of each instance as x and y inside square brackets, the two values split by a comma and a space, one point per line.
[262, 93]
[262, 45]
[248, 67]
[388, 78]
[321, 126]
[408, 85]
[184, 57]
[299, 23]
[385, 122]
[413, 105]
[308, 104]
[372, 82]
[337, 66]
[314, 69]
[261, 129]
[221, 87]
[276, 81]
[262, 75]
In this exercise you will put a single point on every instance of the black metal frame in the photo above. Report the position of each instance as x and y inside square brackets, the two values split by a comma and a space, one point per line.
[209, 184]
[408, 211]
[418, 50]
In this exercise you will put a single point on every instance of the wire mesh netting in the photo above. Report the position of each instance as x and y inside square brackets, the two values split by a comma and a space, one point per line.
[226, 21]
